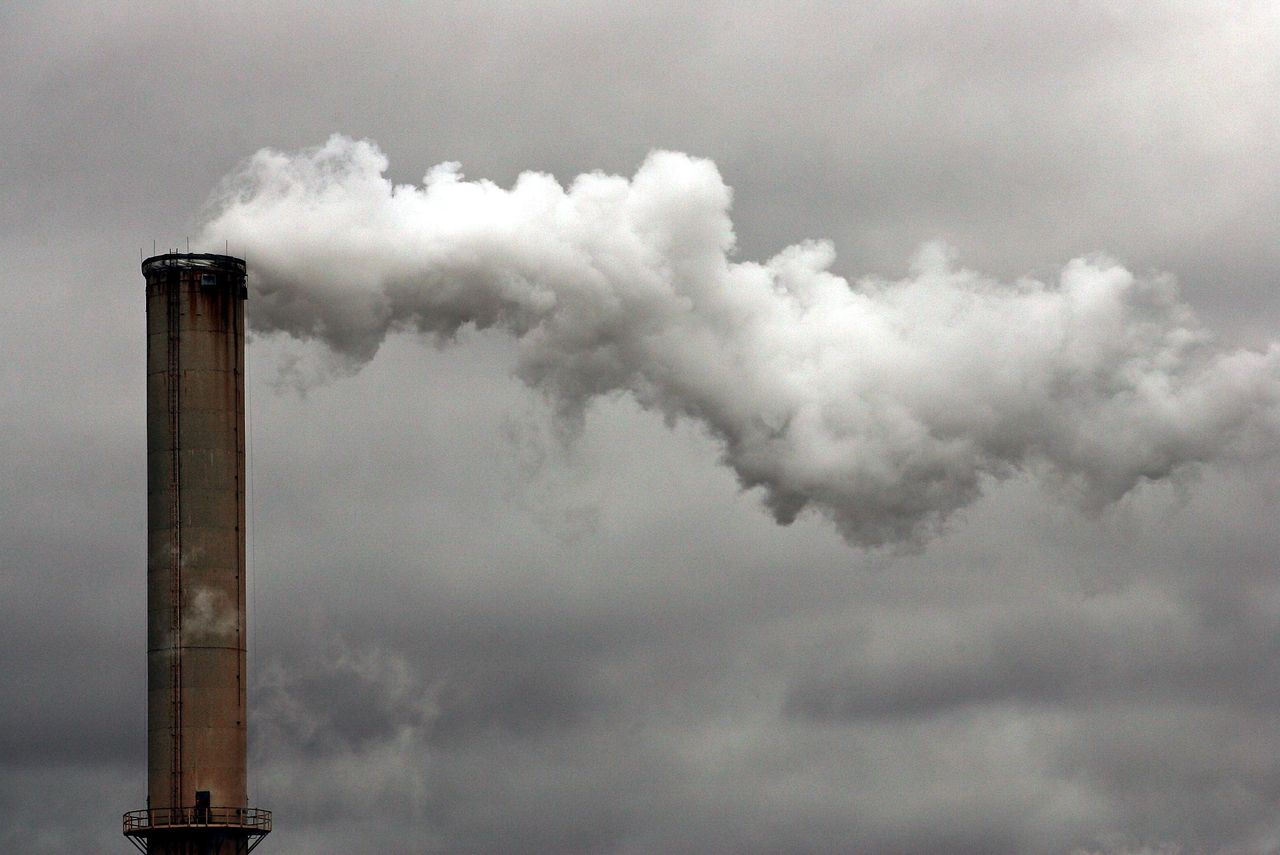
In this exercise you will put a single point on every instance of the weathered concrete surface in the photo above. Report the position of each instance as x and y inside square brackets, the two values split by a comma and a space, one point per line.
[196, 715]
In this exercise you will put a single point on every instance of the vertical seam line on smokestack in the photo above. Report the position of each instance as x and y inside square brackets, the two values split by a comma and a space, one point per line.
[175, 619]
[251, 554]
[242, 697]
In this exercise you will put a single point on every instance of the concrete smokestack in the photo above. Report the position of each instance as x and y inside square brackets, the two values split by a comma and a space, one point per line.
[197, 793]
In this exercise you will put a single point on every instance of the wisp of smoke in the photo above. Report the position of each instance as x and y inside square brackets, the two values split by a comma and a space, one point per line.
[885, 405]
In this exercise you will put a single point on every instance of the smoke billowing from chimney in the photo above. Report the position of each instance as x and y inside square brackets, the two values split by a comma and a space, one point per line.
[884, 405]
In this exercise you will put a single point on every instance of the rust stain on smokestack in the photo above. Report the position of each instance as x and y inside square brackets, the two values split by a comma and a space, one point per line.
[197, 792]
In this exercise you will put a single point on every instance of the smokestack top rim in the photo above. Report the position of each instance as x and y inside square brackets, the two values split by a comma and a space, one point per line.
[194, 261]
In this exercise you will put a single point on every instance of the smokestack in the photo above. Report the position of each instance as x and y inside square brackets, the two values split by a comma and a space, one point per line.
[197, 792]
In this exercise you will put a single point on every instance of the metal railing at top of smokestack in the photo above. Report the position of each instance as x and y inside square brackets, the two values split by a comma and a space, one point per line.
[194, 260]
[253, 820]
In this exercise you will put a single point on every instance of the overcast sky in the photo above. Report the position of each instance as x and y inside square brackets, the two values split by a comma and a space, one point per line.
[472, 637]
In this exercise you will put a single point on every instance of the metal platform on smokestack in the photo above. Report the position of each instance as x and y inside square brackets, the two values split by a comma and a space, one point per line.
[204, 829]
[197, 663]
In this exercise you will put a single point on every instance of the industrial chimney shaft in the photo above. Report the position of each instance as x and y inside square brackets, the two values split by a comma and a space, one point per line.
[197, 793]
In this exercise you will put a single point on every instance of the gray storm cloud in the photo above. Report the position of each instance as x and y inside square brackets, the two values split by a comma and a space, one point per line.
[883, 404]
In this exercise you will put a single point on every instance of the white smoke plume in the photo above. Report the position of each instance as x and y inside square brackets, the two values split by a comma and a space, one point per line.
[885, 405]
